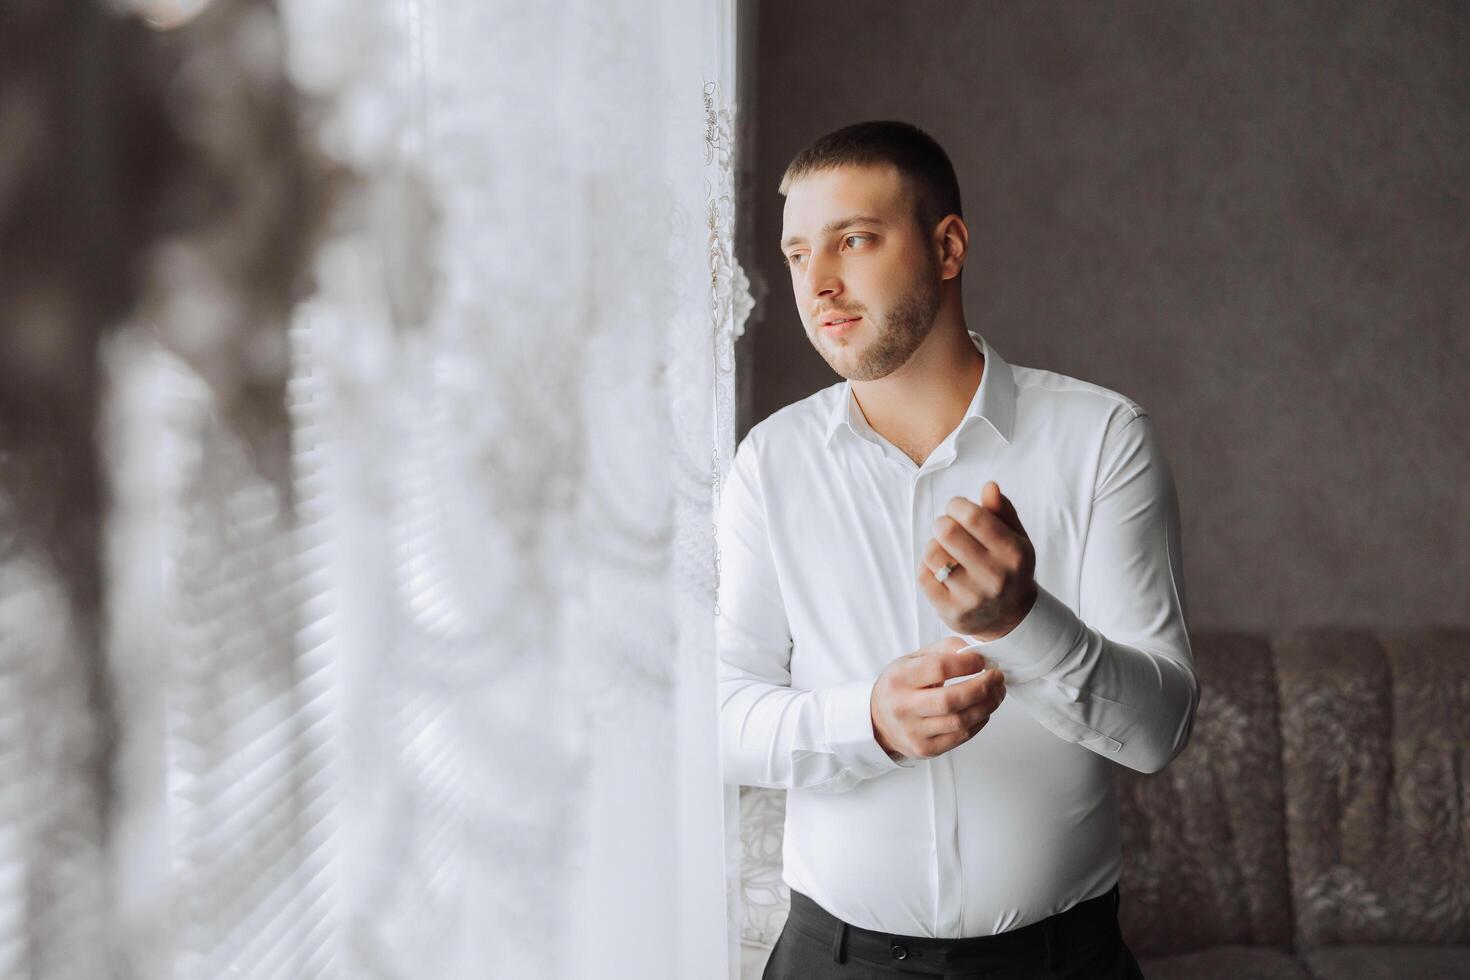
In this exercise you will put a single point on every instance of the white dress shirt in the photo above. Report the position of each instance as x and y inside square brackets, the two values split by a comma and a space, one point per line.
[822, 527]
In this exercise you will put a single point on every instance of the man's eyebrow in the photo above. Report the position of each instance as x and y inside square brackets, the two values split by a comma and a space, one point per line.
[838, 225]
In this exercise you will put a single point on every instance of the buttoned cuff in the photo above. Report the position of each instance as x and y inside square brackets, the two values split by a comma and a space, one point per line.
[1038, 642]
[847, 720]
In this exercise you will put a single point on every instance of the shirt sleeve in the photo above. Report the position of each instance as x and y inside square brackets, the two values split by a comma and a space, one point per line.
[1116, 676]
[772, 734]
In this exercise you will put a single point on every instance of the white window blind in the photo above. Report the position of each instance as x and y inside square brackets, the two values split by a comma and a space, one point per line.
[226, 772]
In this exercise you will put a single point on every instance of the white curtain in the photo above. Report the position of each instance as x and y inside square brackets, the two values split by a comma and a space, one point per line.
[453, 715]
[524, 355]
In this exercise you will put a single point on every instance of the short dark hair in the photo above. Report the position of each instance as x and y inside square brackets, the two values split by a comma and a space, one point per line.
[920, 160]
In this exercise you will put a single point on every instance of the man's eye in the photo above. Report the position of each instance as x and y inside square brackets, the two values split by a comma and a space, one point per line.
[791, 259]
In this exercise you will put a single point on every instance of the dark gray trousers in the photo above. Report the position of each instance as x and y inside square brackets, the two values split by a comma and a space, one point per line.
[1082, 943]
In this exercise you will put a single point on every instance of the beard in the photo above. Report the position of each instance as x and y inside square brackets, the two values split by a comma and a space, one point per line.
[900, 332]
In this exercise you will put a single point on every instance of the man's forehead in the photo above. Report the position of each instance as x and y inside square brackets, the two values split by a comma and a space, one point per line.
[819, 197]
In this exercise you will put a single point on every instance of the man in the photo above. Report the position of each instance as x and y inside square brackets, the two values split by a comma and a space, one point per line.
[950, 603]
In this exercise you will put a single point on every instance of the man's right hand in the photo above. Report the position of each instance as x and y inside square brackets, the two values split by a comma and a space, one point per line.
[915, 714]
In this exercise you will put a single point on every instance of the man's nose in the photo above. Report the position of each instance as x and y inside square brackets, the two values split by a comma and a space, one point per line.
[821, 276]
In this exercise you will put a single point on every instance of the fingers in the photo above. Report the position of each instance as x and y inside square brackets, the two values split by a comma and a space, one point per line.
[955, 543]
[950, 644]
[935, 558]
[932, 716]
[940, 744]
[988, 529]
[934, 590]
[968, 720]
[990, 496]
[997, 502]
[945, 700]
[936, 668]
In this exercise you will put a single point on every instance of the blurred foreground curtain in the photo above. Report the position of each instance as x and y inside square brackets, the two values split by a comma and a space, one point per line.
[436, 698]
[525, 354]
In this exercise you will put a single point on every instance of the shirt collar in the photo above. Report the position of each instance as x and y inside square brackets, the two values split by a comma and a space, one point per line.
[994, 399]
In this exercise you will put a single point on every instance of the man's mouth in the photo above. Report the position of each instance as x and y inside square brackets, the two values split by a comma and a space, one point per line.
[837, 326]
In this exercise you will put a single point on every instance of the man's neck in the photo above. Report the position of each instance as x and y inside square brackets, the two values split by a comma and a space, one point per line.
[919, 405]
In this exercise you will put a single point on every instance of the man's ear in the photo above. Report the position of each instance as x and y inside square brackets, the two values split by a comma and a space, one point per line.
[952, 240]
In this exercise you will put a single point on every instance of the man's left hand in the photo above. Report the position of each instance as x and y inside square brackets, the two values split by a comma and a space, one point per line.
[993, 587]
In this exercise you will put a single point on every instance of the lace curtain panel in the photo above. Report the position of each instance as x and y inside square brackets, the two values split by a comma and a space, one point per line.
[433, 696]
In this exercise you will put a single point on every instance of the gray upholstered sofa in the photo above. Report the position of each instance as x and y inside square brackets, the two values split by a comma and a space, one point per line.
[1317, 825]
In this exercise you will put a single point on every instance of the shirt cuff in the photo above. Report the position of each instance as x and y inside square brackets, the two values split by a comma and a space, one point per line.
[1040, 641]
[847, 719]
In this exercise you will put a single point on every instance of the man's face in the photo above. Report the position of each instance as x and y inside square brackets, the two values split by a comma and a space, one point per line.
[879, 268]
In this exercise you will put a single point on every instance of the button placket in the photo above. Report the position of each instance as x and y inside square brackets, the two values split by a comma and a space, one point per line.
[948, 871]
[943, 795]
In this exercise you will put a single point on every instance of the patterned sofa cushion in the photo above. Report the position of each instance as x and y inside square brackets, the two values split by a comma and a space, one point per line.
[1225, 963]
[1204, 860]
[765, 898]
[1389, 962]
[1376, 740]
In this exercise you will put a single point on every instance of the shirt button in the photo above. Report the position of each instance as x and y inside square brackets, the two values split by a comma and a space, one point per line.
[899, 953]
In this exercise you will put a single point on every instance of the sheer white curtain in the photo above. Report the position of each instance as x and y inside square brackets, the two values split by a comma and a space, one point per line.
[522, 350]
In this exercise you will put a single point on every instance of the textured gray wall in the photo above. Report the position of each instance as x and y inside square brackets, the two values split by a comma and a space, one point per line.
[1251, 218]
